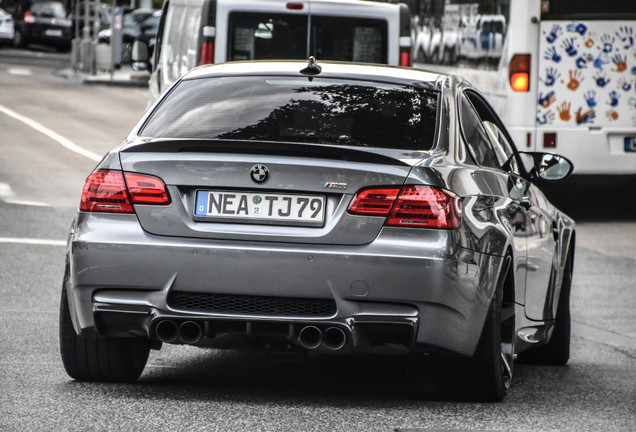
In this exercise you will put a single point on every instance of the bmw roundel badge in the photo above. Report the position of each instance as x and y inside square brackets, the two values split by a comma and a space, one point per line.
[259, 174]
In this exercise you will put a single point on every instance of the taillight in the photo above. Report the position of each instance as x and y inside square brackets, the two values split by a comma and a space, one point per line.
[405, 58]
[147, 189]
[28, 18]
[207, 53]
[295, 5]
[405, 51]
[519, 72]
[374, 201]
[410, 206]
[426, 207]
[106, 191]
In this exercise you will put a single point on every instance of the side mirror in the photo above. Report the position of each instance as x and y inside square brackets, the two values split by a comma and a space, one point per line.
[140, 57]
[546, 166]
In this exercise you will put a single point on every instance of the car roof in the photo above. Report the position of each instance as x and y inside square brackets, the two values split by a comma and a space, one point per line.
[329, 69]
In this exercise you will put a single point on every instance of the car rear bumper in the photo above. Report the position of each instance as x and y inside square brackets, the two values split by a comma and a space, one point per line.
[413, 287]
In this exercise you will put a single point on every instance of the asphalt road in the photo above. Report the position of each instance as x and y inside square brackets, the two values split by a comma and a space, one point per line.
[185, 388]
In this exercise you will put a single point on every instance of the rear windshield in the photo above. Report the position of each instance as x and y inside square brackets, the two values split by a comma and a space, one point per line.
[257, 36]
[297, 109]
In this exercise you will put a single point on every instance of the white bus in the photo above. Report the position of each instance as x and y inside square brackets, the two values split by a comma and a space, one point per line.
[561, 73]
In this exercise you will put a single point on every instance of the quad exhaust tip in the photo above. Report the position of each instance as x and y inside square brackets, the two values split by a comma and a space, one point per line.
[311, 337]
[188, 332]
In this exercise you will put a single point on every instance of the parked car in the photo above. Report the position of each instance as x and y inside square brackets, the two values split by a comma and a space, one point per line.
[138, 24]
[321, 207]
[6, 27]
[43, 22]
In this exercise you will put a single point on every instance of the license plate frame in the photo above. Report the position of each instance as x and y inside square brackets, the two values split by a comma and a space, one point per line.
[259, 207]
[53, 32]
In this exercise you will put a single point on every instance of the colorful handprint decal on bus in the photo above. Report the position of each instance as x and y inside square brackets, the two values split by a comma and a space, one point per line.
[587, 74]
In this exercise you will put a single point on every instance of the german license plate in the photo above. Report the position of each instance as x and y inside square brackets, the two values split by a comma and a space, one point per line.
[630, 144]
[251, 206]
[54, 33]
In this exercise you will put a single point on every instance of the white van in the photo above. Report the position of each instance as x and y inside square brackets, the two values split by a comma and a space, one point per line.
[195, 32]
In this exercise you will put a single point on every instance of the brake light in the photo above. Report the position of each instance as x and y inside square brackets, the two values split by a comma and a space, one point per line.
[426, 207]
[106, 191]
[295, 6]
[519, 72]
[410, 206]
[374, 201]
[550, 140]
[207, 53]
[28, 18]
[147, 189]
[405, 58]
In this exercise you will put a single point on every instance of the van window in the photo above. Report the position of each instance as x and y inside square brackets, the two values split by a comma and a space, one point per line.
[345, 39]
[299, 110]
[261, 36]
[258, 36]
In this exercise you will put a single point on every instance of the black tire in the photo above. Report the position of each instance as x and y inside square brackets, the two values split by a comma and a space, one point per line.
[557, 351]
[18, 39]
[487, 375]
[100, 359]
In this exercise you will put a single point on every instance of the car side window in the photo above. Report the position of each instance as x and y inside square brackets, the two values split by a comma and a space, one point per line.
[503, 148]
[475, 135]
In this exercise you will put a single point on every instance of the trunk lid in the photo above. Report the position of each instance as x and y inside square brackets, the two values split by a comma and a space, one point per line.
[329, 174]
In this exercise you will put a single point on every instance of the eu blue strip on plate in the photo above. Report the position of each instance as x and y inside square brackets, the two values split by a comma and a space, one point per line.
[201, 208]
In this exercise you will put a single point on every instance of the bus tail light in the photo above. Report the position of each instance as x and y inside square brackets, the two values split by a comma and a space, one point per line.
[550, 140]
[519, 72]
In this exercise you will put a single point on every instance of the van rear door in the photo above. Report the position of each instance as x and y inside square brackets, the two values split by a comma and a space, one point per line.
[364, 32]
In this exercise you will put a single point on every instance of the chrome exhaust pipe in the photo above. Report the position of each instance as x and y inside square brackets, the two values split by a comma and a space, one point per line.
[190, 332]
[310, 337]
[167, 331]
[334, 338]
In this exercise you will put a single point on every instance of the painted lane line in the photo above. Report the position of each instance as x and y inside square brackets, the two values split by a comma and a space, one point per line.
[20, 72]
[8, 196]
[33, 241]
[65, 142]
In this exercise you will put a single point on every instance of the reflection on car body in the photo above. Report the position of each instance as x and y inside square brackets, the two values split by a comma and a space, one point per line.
[435, 238]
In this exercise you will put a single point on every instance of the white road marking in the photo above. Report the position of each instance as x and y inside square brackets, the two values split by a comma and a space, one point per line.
[33, 241]
[7, 195]
[21, 72]
[65, 142]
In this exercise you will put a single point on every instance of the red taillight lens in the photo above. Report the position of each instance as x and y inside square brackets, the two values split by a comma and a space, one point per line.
[374, 201]
[519, 72]
[405, 58]
[28, 18]
[410, 206]
[295, 5]
[207, 53]
[106, 191]
[147, 189]
[426, 207]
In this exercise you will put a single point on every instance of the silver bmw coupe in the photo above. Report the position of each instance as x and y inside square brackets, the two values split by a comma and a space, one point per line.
[317, 208]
